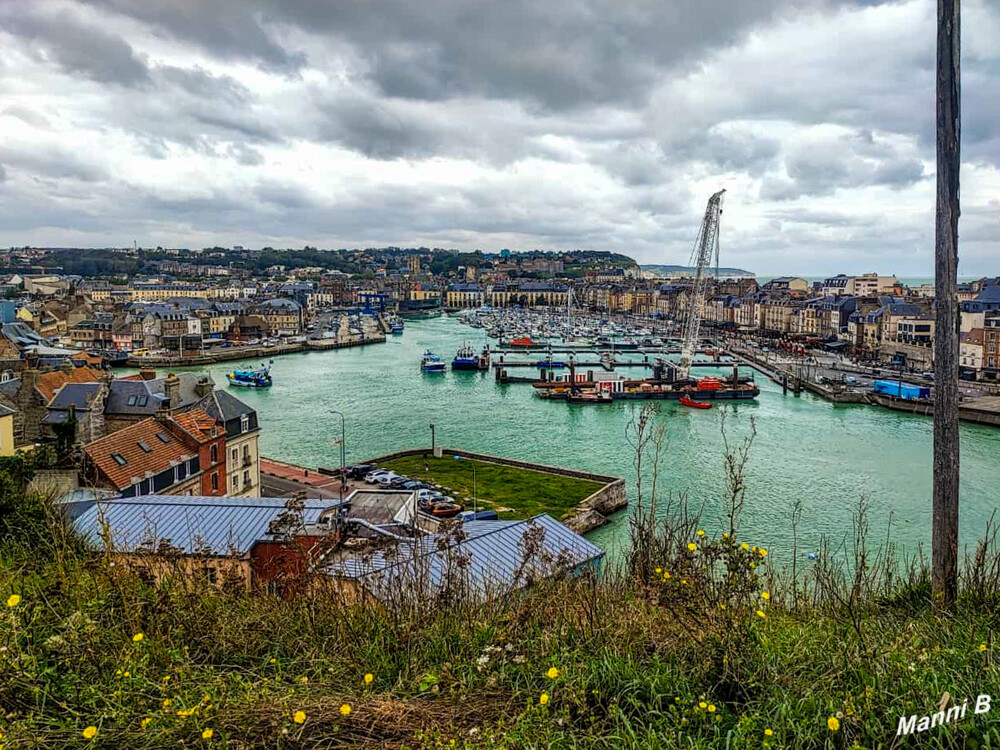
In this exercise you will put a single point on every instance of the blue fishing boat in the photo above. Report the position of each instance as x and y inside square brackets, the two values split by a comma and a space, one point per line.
[431, 362]
[550, 364]
[465, 359]
[259, 378]
[396, 327]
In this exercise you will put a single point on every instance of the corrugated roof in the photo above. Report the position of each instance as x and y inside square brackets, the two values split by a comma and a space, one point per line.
[378, 507]
[193, 524]
[492, 555]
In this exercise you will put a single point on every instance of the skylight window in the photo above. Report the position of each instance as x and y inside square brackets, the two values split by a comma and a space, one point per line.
[162, 437]
[119, 459]
[143, 400]
[146, 447]
[131, 400]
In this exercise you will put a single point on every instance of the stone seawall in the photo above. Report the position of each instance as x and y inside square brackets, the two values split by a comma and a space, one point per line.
[587, 516]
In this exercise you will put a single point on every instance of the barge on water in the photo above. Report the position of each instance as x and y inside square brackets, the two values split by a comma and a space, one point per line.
[596, 388]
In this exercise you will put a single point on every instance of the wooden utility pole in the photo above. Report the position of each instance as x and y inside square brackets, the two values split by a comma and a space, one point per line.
[946, 479]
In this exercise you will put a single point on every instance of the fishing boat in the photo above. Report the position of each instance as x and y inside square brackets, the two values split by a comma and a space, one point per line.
[259, 378]
[688, 401]
[465, 359]
[396, 327]
[431, 362]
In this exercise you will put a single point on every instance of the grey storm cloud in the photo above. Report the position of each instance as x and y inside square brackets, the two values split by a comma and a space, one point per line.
[76, 46]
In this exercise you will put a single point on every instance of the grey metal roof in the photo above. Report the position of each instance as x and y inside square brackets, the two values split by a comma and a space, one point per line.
[492, 558]
[121, 390]
[194, 524]
[378, 507]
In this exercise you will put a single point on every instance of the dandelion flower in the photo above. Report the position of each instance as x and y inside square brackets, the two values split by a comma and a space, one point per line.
[725, 535]
[752, 566]
[345, 710]
[765, 596]
[543, 699]
[368, 678]
[753, 549]
[13, 600]
[763, 552]
[768, 732]
[692, 546]
[833, 723]
[982, 646]
[711, 708]
[745, 545]
[666, 576]
[760, 613]
[684, 581]
[552, 673]
[701, 532]
[722, 606]
[303, 679]
[89, 733]
[137, 637]
[167, 702]
[703, 705]
[207, 734]
[273, 660]
[658, 571]
[145, 722]
[127, 674]
[300, 717]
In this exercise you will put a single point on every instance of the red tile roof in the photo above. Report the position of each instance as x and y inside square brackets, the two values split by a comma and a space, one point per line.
[50, 382]
[198, 425]
[159, 453]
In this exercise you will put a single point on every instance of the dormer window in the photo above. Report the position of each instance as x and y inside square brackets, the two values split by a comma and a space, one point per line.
[244, 422]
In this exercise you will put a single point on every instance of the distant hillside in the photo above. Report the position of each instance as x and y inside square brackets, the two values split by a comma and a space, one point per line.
[661, 270]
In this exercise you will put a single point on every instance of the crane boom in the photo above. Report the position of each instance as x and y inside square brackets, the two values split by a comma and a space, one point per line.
[705, 247]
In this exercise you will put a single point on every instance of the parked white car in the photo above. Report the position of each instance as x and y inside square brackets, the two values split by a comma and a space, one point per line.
[373, 476]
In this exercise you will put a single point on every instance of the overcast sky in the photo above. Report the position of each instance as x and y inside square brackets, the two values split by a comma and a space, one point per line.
[562, 124]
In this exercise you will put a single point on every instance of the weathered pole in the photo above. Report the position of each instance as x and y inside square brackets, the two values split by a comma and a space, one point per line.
[946, 478]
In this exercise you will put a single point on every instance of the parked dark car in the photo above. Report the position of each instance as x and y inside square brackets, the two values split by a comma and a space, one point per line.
[398, 482]
[413, 485]
[359, 471]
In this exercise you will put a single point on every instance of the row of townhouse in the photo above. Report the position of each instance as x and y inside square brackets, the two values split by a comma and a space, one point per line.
[524, 294]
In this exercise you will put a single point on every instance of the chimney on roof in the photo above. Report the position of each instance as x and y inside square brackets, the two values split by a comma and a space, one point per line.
[147, 374]
[67, 365]
[204, 386]
[172, 390]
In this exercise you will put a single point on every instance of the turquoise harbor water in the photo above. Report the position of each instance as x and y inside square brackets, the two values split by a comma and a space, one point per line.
[806, 449]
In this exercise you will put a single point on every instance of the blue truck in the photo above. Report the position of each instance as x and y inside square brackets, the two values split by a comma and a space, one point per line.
[901, 390]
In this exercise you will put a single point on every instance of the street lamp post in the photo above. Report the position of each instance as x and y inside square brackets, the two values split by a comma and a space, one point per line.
[343, 452]
[475, 492]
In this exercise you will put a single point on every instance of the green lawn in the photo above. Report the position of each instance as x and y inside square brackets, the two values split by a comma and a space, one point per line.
[523, 492]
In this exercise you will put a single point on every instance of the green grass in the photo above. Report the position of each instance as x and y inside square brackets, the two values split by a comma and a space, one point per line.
[522, 491]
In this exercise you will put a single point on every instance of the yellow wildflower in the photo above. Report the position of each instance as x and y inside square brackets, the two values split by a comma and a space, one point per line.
[745, 545]
[703, 705]
[167, 702]
[300, 717]
[763, 552]
[711, 708]
[552, 673]
[145, 722]
[722, 606]
[760, 613]
[684, 581]
[658, 571]
[725, 535]
[701, 532]
[303, 679]
[207, 734]
[345, 710]
[833, 723]
[127, 674]
[752, 566]
[137, 637]
[666, 576]
[765, 596]
[368, 678]
[273, 661]
[768, 732]
[982, 646]
[89, 733]
[543, 699]
[13, 600]
[753, 549]
[692, 546]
